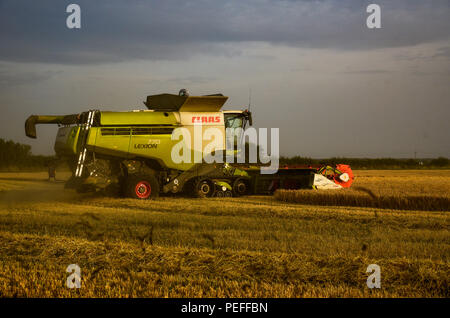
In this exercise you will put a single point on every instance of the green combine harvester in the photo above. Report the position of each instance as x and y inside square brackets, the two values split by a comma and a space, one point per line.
[131, 152]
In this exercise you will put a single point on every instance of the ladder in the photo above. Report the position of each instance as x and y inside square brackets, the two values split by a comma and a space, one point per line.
[83, 137]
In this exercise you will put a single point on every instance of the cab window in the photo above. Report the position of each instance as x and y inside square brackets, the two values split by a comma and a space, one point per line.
[233, 137]
[233, 121]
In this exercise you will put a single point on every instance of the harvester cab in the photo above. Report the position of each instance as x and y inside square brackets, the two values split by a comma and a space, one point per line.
[132, 152]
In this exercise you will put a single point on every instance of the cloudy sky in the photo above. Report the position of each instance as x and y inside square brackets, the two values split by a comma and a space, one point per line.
[332, 86]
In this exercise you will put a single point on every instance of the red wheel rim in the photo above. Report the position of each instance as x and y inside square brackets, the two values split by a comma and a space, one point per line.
[143, 189]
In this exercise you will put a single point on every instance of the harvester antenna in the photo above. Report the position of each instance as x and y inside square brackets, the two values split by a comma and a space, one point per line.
[249, 98]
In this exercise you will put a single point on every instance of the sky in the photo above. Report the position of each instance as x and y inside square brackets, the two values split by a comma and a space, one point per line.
[331, 85]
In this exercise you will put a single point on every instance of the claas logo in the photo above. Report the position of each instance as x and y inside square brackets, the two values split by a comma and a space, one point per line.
[206, 119]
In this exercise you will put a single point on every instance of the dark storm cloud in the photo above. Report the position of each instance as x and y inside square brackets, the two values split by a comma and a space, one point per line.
[114, 31]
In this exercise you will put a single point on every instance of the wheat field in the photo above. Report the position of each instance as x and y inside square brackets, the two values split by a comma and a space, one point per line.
[394, 189]
[254, 246]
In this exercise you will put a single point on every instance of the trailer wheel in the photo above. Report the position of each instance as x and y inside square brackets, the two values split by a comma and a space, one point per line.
[240, 187]
[219, 194]
[142, 187]
[204, 188]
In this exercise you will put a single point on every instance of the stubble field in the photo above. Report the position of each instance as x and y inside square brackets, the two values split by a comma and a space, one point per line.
[253, 246]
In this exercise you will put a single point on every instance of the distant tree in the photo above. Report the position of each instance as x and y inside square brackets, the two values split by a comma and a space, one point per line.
[440, 162]
[17, 155]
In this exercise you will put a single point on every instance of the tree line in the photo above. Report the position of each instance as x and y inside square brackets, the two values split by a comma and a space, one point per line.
[372, 163]
[14, 155]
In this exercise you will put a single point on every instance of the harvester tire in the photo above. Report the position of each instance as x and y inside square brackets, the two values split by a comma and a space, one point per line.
[240, 187]
[142, 187]
[203, 188]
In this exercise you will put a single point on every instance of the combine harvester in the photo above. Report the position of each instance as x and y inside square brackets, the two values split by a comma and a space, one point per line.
[130, 152]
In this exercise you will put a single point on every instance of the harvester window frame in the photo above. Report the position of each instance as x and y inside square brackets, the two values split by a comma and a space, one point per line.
[145, 131]
[136, 131]
[234, 140]
[115, 131]
[234, 116]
